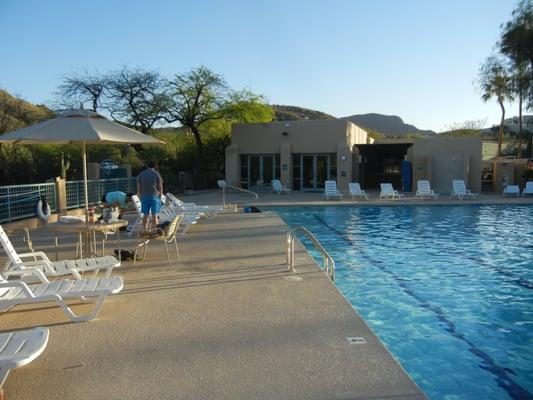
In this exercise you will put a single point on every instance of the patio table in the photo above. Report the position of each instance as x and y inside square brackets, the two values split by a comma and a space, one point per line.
[86, 234]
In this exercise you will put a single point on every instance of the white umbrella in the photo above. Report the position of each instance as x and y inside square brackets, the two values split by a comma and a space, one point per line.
[77, 126]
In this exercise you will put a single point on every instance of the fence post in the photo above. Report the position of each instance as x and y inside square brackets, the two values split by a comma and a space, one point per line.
[8, 206]
[61, 195]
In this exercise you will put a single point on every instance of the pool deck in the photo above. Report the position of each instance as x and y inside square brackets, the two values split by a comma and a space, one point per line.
[225, 322]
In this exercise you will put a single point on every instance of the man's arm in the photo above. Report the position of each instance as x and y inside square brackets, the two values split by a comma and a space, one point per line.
[138, 186]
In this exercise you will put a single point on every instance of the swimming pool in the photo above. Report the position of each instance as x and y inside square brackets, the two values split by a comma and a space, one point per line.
[448, 289]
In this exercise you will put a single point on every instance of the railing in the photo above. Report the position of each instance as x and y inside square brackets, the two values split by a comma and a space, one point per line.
[329, 264]
[238, 189]
[96, 189]
[20, 201]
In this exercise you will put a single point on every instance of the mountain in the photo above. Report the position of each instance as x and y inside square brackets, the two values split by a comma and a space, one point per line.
[293, 113]
[386, 124]
[16, 113]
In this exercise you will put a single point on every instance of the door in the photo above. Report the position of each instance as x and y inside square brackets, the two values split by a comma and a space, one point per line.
[308, 172]
[255, 169]
[321, 171]
[268, 169]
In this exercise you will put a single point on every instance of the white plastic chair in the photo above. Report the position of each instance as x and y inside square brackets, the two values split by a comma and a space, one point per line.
[460, 191]
[388, 192]
[278, 188]
[528, 190]
[423, 190]
[331, 191]
[39, 260]
[167, 235]
[356, 191]
[511, 190]
[17, 292]
[19, 348]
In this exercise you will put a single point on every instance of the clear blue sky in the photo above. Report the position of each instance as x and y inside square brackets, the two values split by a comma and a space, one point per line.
[414, 58]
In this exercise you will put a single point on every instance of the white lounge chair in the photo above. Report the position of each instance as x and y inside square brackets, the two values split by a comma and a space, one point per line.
[209, 211]
[17, 292]
[511, 190]
[423, 190]
[528, 190]
[331, 191]
[19, 348]
[278, 188]
[460, 191]
[39, 260]
[356, 191]
[388, 192]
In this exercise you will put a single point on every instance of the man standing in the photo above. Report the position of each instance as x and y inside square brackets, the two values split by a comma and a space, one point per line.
[150, 188]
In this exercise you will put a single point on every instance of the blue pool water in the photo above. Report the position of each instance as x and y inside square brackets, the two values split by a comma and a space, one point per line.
[448, 289]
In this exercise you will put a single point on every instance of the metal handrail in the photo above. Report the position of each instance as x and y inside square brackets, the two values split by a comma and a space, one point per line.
[329, 264]
[237, 189]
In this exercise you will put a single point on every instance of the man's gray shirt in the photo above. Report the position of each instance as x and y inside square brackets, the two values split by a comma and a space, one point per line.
[149, 180]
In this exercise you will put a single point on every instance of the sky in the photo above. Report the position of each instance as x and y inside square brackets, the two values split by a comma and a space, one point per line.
[418, 59]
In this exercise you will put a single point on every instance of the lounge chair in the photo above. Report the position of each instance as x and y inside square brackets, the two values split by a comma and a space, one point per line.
[388, 192]
[528, 190]
[460, 191]
[39, 260]
[511, 190]
[356, 191]
[331, 191]
[19, 348]
[209, 211]
[278, 188]
[423, 190]
[17, 292]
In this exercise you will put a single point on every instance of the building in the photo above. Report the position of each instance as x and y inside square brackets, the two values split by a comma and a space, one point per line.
[304, 154]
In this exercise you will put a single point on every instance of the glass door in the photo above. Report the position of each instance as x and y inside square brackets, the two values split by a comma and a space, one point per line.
[308, 172]
[268, 169]
[321, 172]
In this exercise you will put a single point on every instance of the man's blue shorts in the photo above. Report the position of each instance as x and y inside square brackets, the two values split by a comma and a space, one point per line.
[150, 204]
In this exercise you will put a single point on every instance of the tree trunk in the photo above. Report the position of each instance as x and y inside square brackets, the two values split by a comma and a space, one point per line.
[198, 176]
[500, 136]
[520, 124]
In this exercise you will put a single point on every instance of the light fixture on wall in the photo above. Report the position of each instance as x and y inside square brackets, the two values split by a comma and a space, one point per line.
[343, 158]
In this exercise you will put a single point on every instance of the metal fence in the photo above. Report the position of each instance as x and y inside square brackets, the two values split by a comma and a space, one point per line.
[96, 189]
[20, 201]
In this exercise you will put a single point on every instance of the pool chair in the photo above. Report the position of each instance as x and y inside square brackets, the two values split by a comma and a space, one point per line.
[331, 191]
[168, 235]
[39, 260]
[460, 191]
[278, 188]
[356, 191]
[208, 211]
[18, 292]
[511, 190]
[423, 190]
[528, 190]
[388, 192]
[19, 348]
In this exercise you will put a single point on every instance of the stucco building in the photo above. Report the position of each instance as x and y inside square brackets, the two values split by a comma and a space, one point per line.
[304, 154]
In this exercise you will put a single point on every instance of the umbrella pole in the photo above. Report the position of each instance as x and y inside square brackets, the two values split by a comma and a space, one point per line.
[84, 161]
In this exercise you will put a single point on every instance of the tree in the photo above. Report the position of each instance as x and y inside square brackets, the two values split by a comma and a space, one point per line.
[81, 88]
[516, 43]
[495, 82]
[136, 97]
[200, 96]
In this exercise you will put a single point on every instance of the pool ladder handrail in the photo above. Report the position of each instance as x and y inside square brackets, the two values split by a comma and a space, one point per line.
[329, 264]
[226, 185]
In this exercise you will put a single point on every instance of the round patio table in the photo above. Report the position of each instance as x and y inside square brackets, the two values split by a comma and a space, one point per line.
[87, 234]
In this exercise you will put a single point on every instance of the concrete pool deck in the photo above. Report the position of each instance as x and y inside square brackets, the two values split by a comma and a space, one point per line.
[226, 322]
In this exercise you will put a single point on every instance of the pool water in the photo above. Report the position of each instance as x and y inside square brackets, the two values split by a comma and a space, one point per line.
[448, 289]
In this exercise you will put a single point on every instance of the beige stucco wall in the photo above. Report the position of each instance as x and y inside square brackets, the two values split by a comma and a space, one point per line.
[440, 160]
[289, 137]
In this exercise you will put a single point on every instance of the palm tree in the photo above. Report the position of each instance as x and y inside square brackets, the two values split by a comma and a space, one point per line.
[495, 81]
